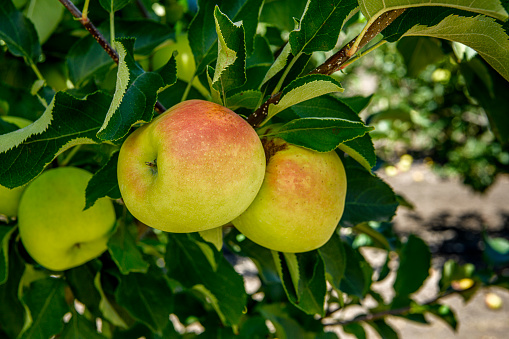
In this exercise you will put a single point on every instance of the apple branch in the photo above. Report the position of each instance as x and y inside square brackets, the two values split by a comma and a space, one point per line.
[336, 61]
[90, 27]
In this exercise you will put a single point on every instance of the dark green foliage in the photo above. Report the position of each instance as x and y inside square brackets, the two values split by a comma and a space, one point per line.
[158, 285]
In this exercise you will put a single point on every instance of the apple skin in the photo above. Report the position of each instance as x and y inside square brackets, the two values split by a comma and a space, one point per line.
[209, 166]
[54, 228]
[9, 198]
[300, 202]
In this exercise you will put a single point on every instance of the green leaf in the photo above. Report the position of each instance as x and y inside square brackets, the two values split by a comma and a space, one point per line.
[107, 306]
[45, 299]
[213, 236]
[46, 16]
[334, 257]
[104, 183]
[478, 32]
[302, 89]
[282, 13]
[188, 261]
[86, 58]
[491, 94]
[66, 122]
[5, 238]
[124, 251]
[419, 52]
[11, 309]
[320, 25]
[113, 5]
[373, 9]
[385, 330]
[320, 134]
[361, 148]
[357, 277]
[80, 327]
[147, 297]
[230, 72]
[18, 33]
[202, 30]
[247, 99]
[414, 265]
[262, 55]
[368, 197]
[303, 278]
[80, 280]
[135, 92]
[20, 102]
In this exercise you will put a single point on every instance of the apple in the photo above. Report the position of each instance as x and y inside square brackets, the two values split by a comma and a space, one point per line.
[54, 228]
[193, 168]
[9, 198]
[301, 199]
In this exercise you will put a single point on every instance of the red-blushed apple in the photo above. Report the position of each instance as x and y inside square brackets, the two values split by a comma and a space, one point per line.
[300, 202]
[54, 228]
[195, 167]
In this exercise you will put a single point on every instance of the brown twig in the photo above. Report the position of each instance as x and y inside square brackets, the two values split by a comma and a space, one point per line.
[334, 63]
[89, 26]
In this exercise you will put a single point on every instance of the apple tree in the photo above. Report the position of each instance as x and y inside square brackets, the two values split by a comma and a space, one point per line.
[78, 78]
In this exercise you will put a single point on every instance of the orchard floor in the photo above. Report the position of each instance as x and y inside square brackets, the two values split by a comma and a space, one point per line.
[449, 217]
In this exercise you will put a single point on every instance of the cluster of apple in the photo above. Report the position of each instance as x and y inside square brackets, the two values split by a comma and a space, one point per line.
[199, 166]
[196, 167]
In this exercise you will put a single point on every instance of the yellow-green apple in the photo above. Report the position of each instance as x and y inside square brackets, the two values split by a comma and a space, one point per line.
[9, 198]
[54, 227]
[301, 199]
[193, 168]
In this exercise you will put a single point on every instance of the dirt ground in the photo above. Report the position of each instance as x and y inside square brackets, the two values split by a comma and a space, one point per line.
[450, 218]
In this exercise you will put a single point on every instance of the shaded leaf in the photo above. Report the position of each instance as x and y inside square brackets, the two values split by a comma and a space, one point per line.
[5, 239]
[124, 251]
[113, 5]
[496, 251]
[45, 298]
[198, 265]
[368, 197]
[11, 309]
[384, 329]
[18, 32]
[104, 183]
[80, 327]
[80, 280]
[46, 16]
[355, 281]
[445, 313]
[147, 297]
[334, 257]
[87, 58]
[414, 265]
[419, 52]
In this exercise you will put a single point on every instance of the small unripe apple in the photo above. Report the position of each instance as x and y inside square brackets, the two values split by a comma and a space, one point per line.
[493, 301]
[300, 202]
[9, 198]
[193, 168]
[54, 228]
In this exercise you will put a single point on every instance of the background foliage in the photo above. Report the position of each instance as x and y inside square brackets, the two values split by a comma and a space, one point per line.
[435, 98]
